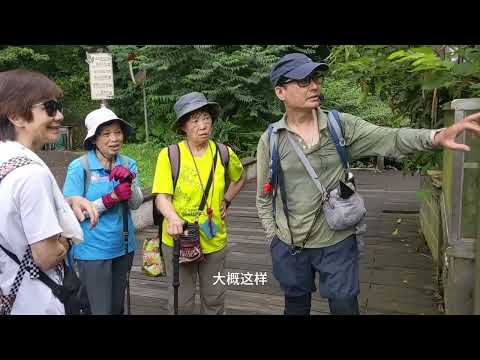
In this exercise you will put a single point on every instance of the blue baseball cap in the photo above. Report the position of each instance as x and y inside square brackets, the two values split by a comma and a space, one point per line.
[294, 66]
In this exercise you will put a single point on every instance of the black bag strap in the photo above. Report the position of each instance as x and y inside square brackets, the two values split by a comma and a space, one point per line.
[277, 166]
[209, 182]
[56, 288]
[10, 254]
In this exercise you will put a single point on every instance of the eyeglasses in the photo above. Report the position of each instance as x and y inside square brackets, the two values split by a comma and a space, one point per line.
[51, 107]
[315, 77]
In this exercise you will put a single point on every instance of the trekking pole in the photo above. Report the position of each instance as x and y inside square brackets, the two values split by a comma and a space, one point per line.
[176, 272]
[125, 237]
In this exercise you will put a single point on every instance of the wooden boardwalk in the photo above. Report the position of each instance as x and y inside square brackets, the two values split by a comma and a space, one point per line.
[395, 269]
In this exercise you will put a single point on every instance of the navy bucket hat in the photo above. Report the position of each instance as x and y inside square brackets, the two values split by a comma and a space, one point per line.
[191, 102]
[295, 66]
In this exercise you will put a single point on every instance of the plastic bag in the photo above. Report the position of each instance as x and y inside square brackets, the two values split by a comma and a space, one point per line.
[153, 263]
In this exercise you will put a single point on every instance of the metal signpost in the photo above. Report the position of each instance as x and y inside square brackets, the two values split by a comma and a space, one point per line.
[101, 88]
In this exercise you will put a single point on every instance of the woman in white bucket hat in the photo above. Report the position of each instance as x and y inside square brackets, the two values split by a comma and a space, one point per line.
[109, 180]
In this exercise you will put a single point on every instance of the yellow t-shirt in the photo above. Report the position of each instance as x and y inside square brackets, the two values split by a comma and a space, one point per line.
[188, 191]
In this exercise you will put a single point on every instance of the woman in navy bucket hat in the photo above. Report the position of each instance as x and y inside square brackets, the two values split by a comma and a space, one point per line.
[180, 201]
[191, 102]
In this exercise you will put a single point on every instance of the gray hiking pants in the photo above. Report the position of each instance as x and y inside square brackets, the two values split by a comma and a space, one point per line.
[212, 297]
[105, 282]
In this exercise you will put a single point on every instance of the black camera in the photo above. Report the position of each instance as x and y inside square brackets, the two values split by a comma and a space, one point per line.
[347, 187]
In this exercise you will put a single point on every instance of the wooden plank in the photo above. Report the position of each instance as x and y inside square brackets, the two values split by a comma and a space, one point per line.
[394, 278]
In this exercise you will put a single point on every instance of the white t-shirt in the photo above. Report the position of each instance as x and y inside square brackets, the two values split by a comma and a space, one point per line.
[27, 215]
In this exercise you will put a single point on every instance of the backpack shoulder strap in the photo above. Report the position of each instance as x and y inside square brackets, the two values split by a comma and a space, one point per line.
[174, 158]
[274, 163]
[224, 154]
[124, 161]
[11, 164]
[336, 132]
[274, 155]
[272, 136]
[277, 179]
[86, 173]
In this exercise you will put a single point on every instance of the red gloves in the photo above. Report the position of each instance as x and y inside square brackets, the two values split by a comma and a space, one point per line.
[123, 192]
[121, 174]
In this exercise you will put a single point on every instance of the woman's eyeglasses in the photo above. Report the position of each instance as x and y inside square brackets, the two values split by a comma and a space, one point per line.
[51, 107]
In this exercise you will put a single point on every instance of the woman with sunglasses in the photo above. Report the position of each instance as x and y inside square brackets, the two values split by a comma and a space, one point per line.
[36, 221]
[111, 181]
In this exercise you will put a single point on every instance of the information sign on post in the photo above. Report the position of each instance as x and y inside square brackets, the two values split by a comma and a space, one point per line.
[101, 75]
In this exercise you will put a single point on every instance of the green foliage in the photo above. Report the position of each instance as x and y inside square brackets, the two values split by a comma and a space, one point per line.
[243, 143]
[405, 77]
[236, 76]
[459, 78]
[346, 96]
[146, 157]
[19, 57]
[412, 80]
[391, 81]
[387, 85]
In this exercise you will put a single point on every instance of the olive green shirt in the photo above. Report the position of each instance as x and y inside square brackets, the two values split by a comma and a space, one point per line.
[362, 139]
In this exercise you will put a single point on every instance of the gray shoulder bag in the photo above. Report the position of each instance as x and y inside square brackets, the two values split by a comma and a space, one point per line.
[340, 213]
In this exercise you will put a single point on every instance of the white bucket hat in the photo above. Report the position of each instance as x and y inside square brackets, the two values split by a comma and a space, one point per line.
[98, 117]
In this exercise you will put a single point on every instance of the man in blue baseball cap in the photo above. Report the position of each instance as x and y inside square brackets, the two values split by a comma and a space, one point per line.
[302, 240]
[295, 66]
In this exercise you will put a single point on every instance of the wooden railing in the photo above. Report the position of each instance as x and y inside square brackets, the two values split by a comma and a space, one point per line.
[458, 210]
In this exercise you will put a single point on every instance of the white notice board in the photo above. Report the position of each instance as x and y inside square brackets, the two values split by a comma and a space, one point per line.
[101, 75]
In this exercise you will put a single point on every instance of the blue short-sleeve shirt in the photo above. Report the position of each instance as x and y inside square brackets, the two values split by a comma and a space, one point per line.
[105, 241]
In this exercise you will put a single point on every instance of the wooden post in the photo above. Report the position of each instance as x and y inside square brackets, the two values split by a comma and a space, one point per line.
[476, 295]
[145, 111]
[380, 163]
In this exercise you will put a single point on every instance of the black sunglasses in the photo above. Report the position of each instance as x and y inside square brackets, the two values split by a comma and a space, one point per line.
[51, 107]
